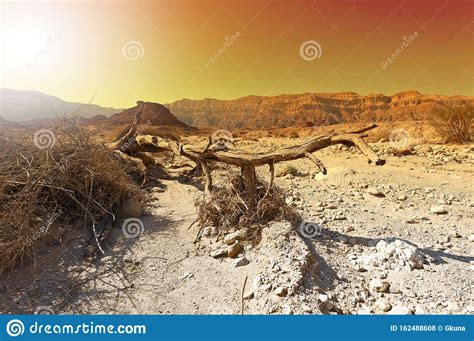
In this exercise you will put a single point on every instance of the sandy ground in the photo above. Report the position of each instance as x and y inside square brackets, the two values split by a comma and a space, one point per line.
[424, 200]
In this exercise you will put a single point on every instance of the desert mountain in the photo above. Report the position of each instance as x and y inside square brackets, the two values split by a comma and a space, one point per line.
[309, 109]
[22, 105]
[154, 114]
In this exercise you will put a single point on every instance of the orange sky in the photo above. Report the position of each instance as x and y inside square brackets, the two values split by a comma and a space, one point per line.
[79, 49]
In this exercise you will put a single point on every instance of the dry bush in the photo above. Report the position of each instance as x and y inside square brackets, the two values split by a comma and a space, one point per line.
[454, 123]
[293, 134]
[75, 179]
[228, 208]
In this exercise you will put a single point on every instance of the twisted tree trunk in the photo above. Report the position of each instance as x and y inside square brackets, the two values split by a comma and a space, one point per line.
[137, 145]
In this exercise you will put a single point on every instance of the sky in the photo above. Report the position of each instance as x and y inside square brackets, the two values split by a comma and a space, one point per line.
[118, 52]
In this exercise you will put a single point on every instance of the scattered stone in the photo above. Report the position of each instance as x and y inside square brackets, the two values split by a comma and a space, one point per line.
[375, 192]
[402, 197]
[400, 310]
[241, 262]
[359, 268]
[186, 275]
[392, 255]
[234, 250]
[281, 291]
[364, 311]
[249, 295]
[378, 285]
[230, 238]
[419, 310]
[382, 304]
[208, 231]
[350, 229]
[395, 289]
[471, 237]
[455, 234]
[440, 209]
[323, 298]
[220, 252]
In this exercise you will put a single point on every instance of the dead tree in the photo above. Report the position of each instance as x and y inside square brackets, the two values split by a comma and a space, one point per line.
[135, 146]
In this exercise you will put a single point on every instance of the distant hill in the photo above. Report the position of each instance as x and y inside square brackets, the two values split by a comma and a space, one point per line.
[23, 105]
[309, 109]
[154, 114]
[251, 112]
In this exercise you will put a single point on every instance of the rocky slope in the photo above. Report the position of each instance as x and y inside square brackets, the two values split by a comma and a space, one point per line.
[309, 109]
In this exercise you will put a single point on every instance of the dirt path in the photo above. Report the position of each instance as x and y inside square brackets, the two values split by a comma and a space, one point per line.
[165, 271]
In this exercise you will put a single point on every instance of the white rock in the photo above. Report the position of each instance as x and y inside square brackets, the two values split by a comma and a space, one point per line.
[382, 304]
[440, 209]
[241, 262]
[378, 285]
[400, 310]
[186, 275]
[281, 291]
[402, 197]
[230, 238]
[221, 252]
[323, 298]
